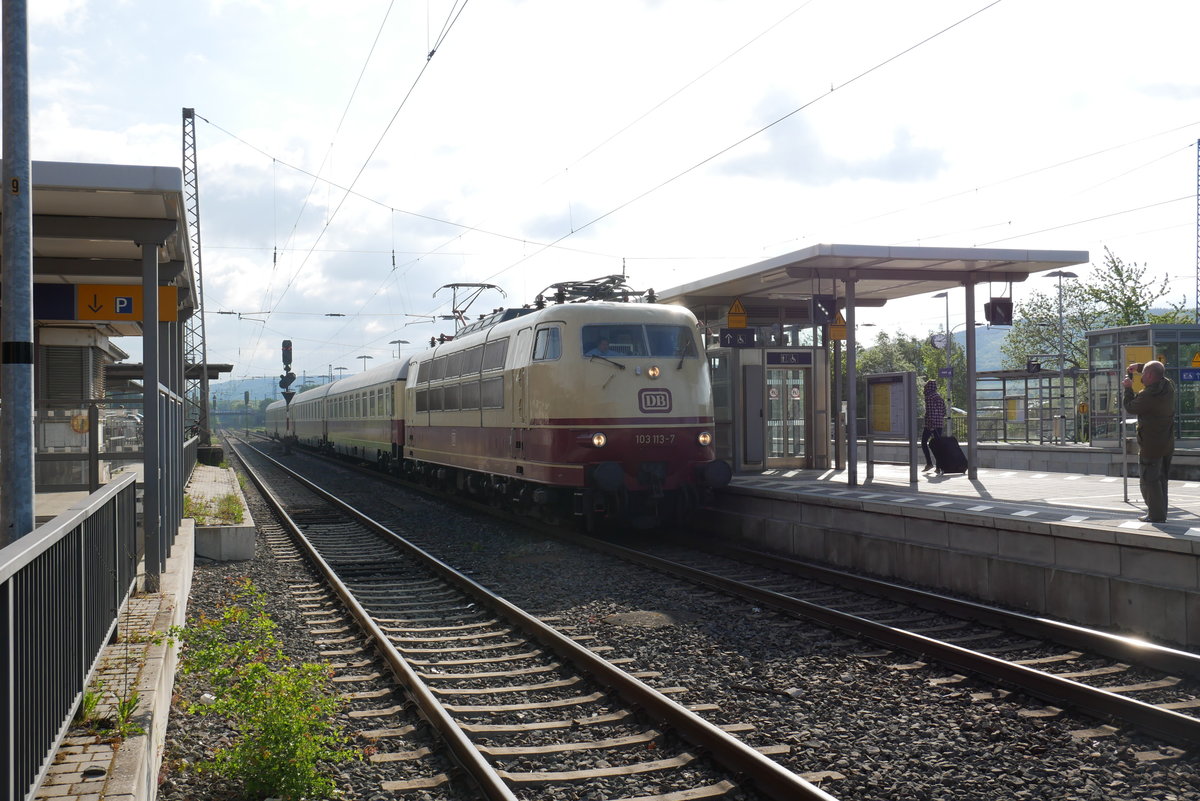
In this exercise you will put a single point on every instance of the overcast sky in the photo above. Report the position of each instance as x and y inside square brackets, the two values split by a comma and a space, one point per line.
[355, 156]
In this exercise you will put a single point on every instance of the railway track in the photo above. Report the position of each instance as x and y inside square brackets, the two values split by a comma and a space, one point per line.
[521, 709]
[1115, 679]
[1120, 681]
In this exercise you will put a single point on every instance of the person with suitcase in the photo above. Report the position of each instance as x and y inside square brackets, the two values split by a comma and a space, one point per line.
[935, 418]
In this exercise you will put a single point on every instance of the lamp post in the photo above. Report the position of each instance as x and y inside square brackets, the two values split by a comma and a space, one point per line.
[1062, 356]
[398, 342]
[949, 369]
[364, 358]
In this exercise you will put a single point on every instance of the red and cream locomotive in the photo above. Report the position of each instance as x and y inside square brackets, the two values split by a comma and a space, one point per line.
[597, 409]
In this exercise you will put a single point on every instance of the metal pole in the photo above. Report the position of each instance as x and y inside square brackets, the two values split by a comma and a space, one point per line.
[949, 367]
[152, 420]
[16, 352]
[1062, 421]
[972, 421]
[851, 387]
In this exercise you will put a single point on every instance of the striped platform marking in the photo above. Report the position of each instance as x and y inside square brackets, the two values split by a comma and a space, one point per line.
[1108, 480]
[1190, 486]
[791, 474]
[1072, 478]
[1132, 524]
[942, 503]
[1024, 513]
[870, 497]
[979, 508]
[1039, 475]
[1193, 532]
[1008, 474]
[1074, 519]
[904, 499]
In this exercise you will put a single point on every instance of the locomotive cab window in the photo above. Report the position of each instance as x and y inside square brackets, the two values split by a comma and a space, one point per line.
[547, 345]
[638, 341]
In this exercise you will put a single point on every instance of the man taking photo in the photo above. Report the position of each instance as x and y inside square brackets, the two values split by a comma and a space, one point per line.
[1155, 410]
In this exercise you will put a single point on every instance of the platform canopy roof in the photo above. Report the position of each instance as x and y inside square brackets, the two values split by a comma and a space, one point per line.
[89, 221]
[880, 273]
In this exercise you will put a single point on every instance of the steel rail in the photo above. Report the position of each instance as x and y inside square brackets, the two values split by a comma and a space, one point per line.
[1166, 724]
[1115, 646]
[767, 776]
[467, 755]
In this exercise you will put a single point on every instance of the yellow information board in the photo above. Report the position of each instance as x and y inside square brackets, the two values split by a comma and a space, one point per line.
[122, 303]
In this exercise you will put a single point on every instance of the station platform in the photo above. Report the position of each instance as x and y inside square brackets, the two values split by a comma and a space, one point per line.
[1065, 545]
[1089, 499]
[93, 766]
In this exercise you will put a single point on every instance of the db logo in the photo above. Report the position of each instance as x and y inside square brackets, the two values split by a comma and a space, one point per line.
[654, 401]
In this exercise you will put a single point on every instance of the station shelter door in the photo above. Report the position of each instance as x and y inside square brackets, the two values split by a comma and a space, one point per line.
[786, 414]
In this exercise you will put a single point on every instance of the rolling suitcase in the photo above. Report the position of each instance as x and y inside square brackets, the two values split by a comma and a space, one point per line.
[948, 455]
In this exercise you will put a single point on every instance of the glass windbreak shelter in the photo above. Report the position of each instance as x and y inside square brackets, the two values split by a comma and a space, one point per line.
[769, 400]
[1111, 349]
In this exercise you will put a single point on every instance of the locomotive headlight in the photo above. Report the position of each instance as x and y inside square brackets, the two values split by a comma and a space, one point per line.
[704, 438]
[653, 371]
[599, 440]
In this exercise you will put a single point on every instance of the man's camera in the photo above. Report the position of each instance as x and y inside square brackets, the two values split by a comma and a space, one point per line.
[1133, 368]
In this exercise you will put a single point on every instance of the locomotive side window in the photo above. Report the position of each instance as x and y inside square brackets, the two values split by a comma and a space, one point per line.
[422, 400]
[491, 393]
[450, 398]
[422, 375]
[547, 345]
[435, 399]
[472, 360]
[470, 395]
[454, 365]
[439, 369]
[494, 353]
[675, 341]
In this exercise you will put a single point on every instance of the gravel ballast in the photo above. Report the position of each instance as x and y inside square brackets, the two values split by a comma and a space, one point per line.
[867, 725]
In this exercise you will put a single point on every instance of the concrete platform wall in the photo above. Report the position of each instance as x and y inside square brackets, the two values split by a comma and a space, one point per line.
[1046, 458]
[1144, 583]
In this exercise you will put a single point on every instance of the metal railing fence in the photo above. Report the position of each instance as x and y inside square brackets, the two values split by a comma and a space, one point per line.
[62, 588]
[191, 449]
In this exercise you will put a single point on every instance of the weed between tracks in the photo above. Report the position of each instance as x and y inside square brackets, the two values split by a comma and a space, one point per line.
[283, 712]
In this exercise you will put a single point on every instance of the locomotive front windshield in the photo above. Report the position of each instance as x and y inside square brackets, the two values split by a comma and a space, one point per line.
[639, 341]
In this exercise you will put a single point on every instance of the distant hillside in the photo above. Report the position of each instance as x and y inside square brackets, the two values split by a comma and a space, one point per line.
[234, 390]
[987, 347]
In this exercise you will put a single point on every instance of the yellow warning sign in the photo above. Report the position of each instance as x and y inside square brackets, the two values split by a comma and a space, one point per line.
[837, 329]
[737, 314]
[1196, 360]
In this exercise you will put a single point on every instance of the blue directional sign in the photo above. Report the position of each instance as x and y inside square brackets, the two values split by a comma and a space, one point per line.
[1189, 375]
[945, 372]
[800, 357]
[737, 338]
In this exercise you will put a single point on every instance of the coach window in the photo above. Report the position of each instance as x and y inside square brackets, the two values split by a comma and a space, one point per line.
[547, 345]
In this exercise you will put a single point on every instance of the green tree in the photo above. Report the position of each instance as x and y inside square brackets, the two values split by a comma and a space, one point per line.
[1115, 294]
